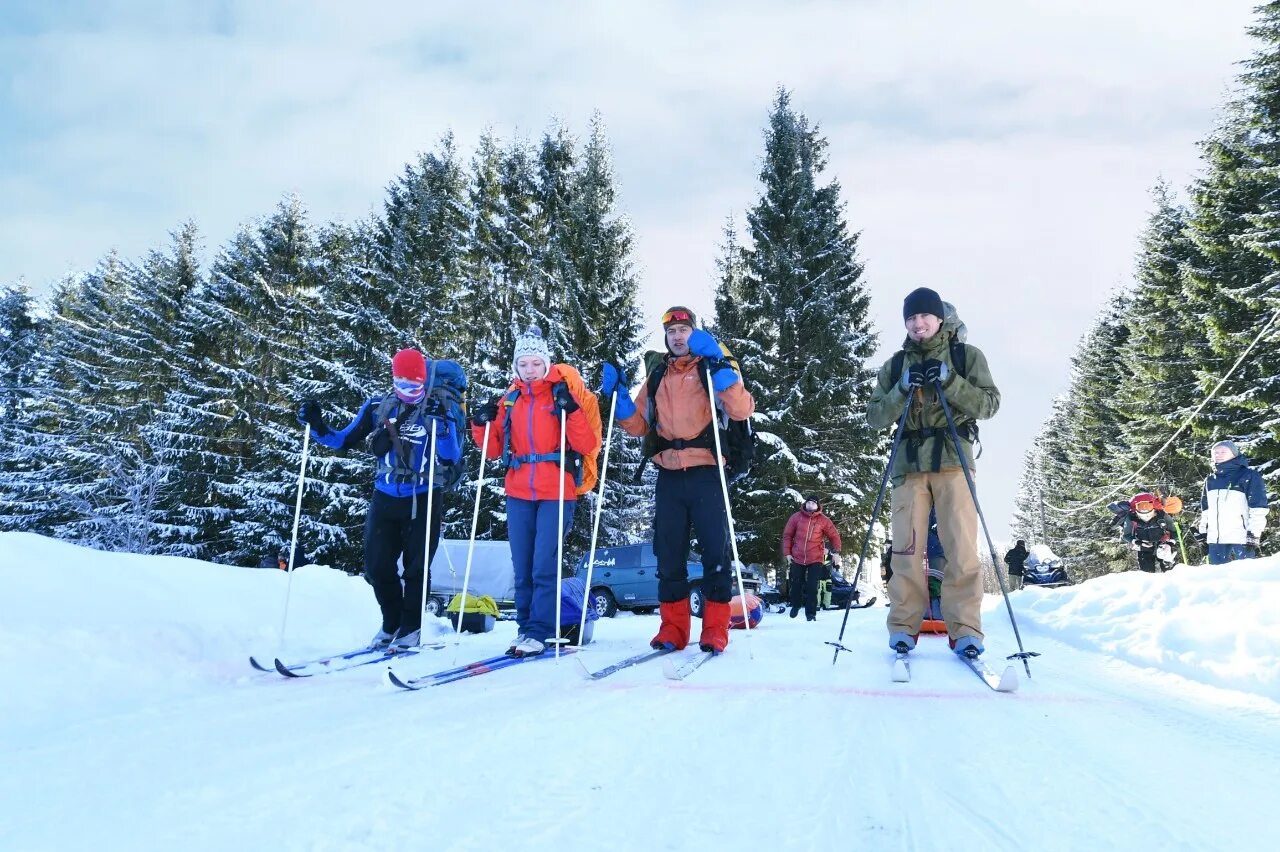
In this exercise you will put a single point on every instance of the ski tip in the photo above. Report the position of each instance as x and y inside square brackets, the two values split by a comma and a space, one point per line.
[586, 672]
[286, 671]
[259, 666]
[1009, 681]
[669, 670]
[395, 681]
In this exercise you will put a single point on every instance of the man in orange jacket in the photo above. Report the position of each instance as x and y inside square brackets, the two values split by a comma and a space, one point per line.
[688, 493]
[804, 544]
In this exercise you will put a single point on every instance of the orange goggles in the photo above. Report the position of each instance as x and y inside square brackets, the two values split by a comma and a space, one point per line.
[677, 316]
[1144, 506]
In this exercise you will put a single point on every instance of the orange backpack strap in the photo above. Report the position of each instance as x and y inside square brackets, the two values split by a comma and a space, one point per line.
[590, 407]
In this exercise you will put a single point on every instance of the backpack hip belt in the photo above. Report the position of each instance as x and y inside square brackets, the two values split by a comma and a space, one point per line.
[915, 437]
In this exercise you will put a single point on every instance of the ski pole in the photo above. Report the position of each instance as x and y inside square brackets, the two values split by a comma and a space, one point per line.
[875, 514]
[560, 538]
[293, 540]
[471, 544]
[1181, 547]
[426, 538]
[728, 512]
[1023, 654]
[595, 524]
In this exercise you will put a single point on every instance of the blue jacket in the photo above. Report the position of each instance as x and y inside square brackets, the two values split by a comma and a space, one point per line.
[1233, 503]
[412, 426]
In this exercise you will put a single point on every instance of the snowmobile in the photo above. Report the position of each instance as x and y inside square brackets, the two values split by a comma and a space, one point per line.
[1044, 568]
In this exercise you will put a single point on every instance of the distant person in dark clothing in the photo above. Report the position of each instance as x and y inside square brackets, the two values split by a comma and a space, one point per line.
[1015, 559]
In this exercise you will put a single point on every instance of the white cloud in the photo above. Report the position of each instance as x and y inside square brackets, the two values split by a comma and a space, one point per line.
[1000, 151]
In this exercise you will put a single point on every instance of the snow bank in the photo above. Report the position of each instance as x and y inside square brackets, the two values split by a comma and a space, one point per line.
[82, 627]
[1217, 624]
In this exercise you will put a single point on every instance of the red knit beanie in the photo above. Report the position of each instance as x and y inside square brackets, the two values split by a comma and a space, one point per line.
[409, 364]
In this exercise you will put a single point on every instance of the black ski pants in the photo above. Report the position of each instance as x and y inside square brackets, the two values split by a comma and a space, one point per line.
[684, 500]
[392, 535]
[802, 584]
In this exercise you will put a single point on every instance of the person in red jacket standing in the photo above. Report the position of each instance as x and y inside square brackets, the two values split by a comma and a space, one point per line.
[526, 435]
[804, 544]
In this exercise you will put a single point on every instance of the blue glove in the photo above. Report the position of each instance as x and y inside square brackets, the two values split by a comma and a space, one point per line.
[724, 378]
[448, 448]
[701, 343]
[611, 378]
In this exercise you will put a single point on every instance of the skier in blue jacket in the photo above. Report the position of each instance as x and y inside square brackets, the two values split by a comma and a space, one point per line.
[396, 547]
[1233, 506]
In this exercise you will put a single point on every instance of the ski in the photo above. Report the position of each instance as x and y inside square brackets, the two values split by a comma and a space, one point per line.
[318, 661]
[621, 664]
[1004, 682]
[864, 605]
[492, 664]
[673, 672]
[901, 669]
[342, 662]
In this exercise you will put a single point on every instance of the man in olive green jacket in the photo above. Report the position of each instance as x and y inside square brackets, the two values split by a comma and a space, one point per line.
[926, 471]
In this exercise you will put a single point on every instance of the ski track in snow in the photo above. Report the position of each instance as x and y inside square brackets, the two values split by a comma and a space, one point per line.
[118, 742]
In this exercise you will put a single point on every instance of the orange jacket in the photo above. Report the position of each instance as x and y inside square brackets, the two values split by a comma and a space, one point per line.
[802, 539]
[684, 410]
[535, 430]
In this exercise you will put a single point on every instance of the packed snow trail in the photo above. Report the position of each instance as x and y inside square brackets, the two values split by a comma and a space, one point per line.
[143, 727]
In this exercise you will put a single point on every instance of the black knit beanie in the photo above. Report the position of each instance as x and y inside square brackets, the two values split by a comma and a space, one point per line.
[923, 301]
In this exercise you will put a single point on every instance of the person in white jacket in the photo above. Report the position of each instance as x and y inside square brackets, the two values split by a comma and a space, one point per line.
[1233, 506]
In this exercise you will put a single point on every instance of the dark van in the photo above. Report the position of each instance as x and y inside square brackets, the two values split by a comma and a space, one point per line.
[626, 577]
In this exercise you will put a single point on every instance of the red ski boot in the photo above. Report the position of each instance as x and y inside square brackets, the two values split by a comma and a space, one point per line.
[715, 627]
[673, 635]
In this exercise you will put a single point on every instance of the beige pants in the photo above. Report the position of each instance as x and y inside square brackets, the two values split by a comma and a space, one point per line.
[958, 531]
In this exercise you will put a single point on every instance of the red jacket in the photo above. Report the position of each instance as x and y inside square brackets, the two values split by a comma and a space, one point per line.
[803, 537]
[535, 430]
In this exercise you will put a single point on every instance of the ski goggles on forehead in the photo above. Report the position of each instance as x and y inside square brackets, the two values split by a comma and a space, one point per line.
[677, 316]
[409, 386]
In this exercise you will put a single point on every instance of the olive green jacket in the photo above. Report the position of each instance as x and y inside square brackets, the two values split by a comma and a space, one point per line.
[973, 397]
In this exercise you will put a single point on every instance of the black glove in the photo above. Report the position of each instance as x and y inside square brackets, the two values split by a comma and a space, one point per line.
[563, 399]
[380, 441]
[935, 371]
[915, 376]
[433, 407]
[309, 415]
[486, 413]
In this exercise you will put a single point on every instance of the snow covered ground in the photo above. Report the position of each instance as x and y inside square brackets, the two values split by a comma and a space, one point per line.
[130, 719]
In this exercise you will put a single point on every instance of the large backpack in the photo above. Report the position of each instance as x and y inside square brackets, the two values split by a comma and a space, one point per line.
[447, 383]
[584, 468]
[737, 438]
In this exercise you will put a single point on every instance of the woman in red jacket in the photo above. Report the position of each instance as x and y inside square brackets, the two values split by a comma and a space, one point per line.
[804, 544]
[526, 435]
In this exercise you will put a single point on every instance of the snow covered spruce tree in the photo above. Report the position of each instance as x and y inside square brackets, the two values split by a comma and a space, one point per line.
[22, 333]
[1166, 348]
[253, 328]
[791, 304]
[601, 322]
[1234, 224]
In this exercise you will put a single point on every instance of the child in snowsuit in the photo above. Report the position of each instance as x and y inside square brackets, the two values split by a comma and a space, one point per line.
[526, 435]
[1233, 506]
[1148, 530]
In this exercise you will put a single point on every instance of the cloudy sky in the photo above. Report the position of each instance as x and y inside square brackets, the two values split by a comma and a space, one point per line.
[1001, 151]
